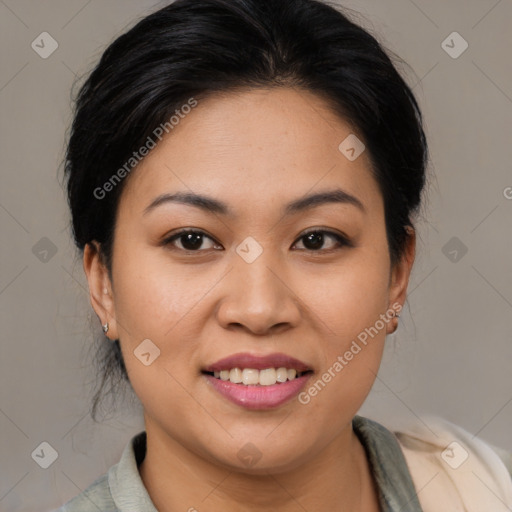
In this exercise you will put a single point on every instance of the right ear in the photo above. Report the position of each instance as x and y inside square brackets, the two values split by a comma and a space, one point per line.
[100, 287]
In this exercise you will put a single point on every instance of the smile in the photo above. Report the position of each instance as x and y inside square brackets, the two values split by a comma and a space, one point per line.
[254, 377]
[258, 382]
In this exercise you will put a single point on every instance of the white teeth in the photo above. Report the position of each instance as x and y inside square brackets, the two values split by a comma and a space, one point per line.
[291, 374]
[235, 375]
[281, 374]
[267, 377]
[251, 376]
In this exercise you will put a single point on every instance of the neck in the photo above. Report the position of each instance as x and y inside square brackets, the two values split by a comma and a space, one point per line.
[337, 479]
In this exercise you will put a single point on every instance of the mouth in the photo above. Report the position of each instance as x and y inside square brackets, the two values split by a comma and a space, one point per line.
[258, 382]
[255, 377]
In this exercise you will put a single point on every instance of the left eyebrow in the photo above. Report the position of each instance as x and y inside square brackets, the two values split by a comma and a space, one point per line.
[209, 204]
[330, 196]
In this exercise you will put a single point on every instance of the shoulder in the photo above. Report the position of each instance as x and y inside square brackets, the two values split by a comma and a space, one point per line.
[120, 488]
[96, 497]
[452, 467]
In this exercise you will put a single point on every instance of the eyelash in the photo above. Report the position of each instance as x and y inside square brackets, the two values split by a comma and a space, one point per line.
[342, 240]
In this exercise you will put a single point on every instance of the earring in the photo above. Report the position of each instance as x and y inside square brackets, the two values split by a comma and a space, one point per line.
[105, 328]
[395, 315]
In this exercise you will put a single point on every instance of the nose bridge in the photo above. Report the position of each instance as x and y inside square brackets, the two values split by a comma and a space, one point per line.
[256, 265]
[257, 296]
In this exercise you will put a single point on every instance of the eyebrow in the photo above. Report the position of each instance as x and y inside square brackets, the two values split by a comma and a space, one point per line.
[210, 204]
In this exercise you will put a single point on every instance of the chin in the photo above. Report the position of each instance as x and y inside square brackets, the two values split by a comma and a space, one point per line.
[260, 457]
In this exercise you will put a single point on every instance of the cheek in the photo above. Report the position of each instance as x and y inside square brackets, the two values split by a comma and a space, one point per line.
[352, 295]
[157, 301]
[152, 296]
[153, 302]
[348, 305]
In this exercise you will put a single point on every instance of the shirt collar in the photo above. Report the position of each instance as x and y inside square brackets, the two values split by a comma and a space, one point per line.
[394, 482]
[126, 486]
[395, 486]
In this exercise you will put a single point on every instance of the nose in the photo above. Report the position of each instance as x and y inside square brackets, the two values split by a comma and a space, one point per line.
[258, 297]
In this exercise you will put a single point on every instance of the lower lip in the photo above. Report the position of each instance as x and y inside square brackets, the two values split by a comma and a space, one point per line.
[259, 397]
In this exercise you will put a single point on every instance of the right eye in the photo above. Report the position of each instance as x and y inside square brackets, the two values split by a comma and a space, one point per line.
[189, 239]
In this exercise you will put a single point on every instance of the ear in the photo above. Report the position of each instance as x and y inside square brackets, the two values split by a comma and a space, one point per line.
[100, 287]
[400, 273]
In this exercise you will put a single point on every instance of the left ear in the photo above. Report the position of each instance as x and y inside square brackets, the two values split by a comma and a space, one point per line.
[400, 273]
[100, 287]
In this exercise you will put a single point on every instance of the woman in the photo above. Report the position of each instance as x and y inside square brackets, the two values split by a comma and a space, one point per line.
[243, 180]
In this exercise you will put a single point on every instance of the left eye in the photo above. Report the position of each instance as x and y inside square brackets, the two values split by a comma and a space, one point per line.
[316, 238]
[191, 240]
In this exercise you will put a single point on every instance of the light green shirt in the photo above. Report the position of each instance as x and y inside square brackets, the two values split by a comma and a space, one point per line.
[121, 489]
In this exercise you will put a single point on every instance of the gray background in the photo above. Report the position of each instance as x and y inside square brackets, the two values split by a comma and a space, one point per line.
[453, 351]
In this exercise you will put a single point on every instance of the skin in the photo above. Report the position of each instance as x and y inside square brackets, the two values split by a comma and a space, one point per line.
[256, 150]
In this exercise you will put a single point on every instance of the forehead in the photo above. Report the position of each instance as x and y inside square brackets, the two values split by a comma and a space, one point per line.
[260, 145]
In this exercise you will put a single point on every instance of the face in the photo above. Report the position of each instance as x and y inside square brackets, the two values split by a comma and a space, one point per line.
[256, 280]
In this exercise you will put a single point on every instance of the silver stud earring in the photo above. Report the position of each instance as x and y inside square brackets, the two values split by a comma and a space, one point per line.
[395, 315]
[105, 328]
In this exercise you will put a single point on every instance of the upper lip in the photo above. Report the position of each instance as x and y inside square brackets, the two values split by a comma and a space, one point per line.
[257, 362]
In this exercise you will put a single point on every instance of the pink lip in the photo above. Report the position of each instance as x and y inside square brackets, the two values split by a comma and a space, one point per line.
[256, 396]
[246, 360]
[259, 397]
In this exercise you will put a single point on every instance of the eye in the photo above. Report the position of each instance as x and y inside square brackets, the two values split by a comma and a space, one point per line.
[189, 239]
[314, 240]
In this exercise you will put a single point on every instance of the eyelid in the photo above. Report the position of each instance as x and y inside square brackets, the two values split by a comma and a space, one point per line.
[168, 239]
[342, 239]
